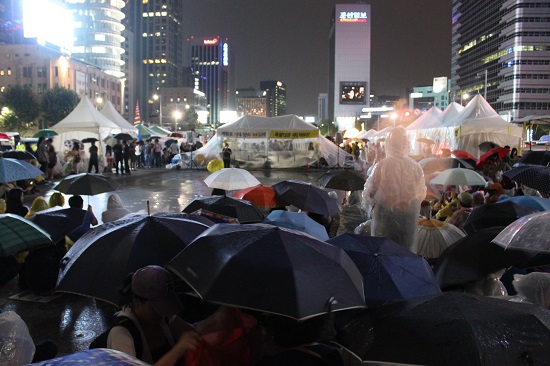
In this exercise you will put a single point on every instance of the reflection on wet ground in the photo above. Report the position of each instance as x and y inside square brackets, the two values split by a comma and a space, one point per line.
[72, 321]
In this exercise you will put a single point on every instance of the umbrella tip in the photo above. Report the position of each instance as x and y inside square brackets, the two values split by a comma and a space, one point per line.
[148, 209]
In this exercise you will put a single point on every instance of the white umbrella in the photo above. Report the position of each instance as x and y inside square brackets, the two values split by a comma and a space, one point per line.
[459, 177]
[12, 170]
[435, 236]
[231, 179]
[528, 233]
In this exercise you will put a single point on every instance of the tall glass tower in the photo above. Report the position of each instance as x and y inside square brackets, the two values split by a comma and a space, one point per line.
[98, 33]
[501, 49]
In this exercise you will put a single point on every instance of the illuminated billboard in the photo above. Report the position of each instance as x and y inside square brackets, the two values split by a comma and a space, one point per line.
[48, 21]
[353, 92]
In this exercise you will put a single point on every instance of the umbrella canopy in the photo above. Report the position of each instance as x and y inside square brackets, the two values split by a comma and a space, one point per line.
[45, 133]
[261, 196]
[345, 180]
[500, 151]
[123, 136]
[534, 158]
[491, 215]
[529, 233]
[3, 136]
[297, 221]
[487, 145]
[534, 202]
[99, 261]
[269, 269]
[169, 142]
[176, 135]
[473, 258]
[533, 176]
[426, 141]
[231, 179]
[435, 164]
[18, 234]
[58, 221]
[241, 210]
[89, 140]
[18, 155]
[459, 177]
[390, 272]
[12, 170]
[435, 236]
[306, 197]
[86, 184]
[462, 154]
[460, 329]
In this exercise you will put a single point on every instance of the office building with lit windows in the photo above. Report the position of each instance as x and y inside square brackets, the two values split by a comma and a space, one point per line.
[212, 63]
[275, 93]
[157, 51]
[349, 63]
[501, 49]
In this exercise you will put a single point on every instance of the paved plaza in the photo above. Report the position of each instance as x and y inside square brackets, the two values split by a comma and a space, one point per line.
[73, 321]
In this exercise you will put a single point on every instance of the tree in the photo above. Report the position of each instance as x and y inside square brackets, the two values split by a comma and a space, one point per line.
[58, 103]
[9, 121]
[190, 120]
[25, 106]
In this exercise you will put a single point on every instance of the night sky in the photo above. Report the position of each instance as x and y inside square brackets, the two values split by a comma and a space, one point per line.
[287, 40]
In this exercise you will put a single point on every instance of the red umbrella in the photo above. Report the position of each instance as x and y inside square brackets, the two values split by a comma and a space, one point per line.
[462, 154]
[261, 196]
[176, 135]
[501, 151]
[3, 136]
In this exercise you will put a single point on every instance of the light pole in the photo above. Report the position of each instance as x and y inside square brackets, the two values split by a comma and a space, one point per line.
[394, 117]
[159, 98]
[463, 97]
[176, 114]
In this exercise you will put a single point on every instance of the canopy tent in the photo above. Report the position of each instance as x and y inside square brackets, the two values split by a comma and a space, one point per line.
[451, 112]
[83, 122]
[111, 113]
[144, 132]
[159, 131]
[431, 119]
[366, 134]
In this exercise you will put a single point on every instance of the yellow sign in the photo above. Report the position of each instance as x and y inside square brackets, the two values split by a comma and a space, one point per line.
[295, 134]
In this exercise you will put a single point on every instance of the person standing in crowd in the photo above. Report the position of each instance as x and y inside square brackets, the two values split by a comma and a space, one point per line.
[157, 153]
[42, 154]
[94, 159]
[126, 153]
[133, 157]
[77, 203]
[109, 157]
[226, 155]
[119, 155]
[52, 159]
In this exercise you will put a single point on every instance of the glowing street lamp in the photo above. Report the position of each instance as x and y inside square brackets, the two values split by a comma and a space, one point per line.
[393, 117]
[177, 114]
[464, 97]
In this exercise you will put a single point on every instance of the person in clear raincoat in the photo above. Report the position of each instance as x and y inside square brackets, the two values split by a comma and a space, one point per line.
[396, 189]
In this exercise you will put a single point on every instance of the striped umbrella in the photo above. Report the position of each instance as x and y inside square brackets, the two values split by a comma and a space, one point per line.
[18, 234]
[533, 176]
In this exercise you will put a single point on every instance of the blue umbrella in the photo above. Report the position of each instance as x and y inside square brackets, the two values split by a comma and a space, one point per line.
[390, 272]
[12, 170]
[536, 203]
[297, 221]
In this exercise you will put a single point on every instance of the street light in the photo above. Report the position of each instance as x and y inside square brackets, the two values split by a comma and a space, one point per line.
[176, 114]
[463, 97]
[159, 98]
[99, 101]
[394, 117]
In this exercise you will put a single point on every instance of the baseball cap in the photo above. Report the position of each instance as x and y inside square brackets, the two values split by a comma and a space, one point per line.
[155, 284]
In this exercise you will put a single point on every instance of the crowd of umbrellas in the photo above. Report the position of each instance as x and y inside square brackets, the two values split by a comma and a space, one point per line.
[387, 302]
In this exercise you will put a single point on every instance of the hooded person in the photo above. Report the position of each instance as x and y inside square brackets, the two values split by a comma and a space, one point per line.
[396, 187]
[115, 209]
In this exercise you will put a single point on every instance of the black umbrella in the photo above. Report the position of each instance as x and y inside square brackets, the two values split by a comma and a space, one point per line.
[534, 158]
[533, 176]
[98, 262]
[169, 142]
[241, 210]
[89, 140]
[491, 215]
[19, 155]
[306, 197]
[86, 184]
[58, 221]
[123, 137]
[474, 257]
[390, 272]
[344, 180]
[460, 329]
[270, 269]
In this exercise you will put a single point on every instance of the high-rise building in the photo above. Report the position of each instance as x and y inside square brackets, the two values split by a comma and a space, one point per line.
[157, 50]
[98, 33]
[501, 49]
[212, 62]
[275, 93]
[349, 63]
[251, 102]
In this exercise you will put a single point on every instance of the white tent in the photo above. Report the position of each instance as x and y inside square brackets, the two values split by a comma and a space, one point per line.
[111, 113]
[430, 119]
[451, 112]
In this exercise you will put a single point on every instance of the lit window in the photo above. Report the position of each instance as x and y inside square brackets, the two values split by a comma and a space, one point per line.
[2, 72]
[9, 71]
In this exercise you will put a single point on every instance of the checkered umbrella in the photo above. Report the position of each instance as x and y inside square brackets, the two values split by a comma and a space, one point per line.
[18, 234]
[533, 176]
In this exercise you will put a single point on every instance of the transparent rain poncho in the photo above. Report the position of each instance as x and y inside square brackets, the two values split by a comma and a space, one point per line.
[396, 189]
[533, 288]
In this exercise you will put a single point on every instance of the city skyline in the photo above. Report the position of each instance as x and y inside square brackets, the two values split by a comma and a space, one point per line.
[288, 41]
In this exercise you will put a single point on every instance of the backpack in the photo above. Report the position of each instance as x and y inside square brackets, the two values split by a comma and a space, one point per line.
[124, 321]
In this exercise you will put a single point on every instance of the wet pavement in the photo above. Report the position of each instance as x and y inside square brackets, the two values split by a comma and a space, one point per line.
[72, 321]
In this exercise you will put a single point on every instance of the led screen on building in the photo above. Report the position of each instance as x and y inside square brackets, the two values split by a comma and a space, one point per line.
[353, 92]
[48, 21]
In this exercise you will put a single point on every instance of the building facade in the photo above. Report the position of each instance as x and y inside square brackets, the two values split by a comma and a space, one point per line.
[275, 93]
[322, 107]
[212, 63]
[349, 63]
[501, 49]
[423, 98]
[251, 102]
